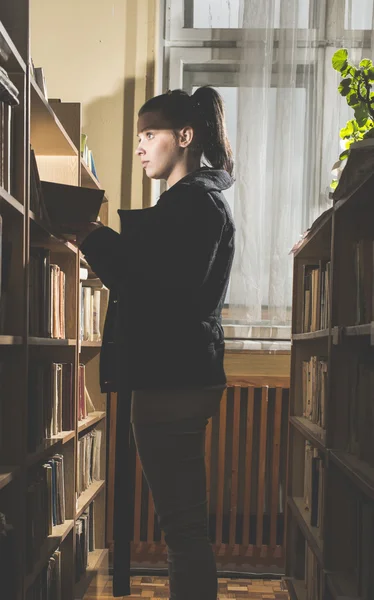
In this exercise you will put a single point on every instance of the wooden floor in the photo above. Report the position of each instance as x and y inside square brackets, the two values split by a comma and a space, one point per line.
[157, 588]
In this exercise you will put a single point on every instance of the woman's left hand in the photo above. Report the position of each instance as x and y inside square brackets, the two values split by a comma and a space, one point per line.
[86, 229]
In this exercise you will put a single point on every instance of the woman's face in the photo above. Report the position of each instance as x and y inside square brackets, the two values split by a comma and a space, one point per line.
[159, 149]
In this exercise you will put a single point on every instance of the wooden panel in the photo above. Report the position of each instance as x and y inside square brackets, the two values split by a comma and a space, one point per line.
[151, 518]
[69, 115]
[58, 169]
[275, 471]
[138, 499]
[244, 364]
[248, 466]
[262, 466]
[242, 465]
[235, 465]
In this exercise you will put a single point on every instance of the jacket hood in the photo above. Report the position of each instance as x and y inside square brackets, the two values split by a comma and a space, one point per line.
[211, 180]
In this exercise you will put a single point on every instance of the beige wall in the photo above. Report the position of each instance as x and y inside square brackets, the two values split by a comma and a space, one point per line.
[101, 53]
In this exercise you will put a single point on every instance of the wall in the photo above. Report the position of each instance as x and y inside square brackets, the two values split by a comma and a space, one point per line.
[102, 54]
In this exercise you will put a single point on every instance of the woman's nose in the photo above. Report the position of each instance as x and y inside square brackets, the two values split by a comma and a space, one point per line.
[139, 151]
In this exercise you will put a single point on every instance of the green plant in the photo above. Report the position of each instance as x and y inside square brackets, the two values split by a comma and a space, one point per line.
[356, 87]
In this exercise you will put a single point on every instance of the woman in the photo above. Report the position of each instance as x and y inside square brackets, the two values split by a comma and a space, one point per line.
[163, 345]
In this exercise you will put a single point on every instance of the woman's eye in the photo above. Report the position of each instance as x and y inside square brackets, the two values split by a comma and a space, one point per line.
[150, 136]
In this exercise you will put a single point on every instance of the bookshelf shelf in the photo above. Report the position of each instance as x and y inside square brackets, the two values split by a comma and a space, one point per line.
[92, 419]
[48, 239]
[297, 589]
[95, 560]
[311, 533]
[48, 446]
[88, 179]
[36, 341]
[360, 472]
[8, 204]
[358, 330]
[10, 340]
[64, 437]
[7, 475]
[43, 379]
[315, 434]
[332, 381]
[88, 344]
[311, 335]
[48, 137]
[88, 495]
[14, 61]
[59, 533]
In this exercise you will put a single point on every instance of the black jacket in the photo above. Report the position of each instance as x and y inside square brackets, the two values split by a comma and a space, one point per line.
[168, 273]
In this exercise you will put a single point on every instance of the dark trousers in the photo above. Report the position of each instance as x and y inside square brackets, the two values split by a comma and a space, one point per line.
[172, 454]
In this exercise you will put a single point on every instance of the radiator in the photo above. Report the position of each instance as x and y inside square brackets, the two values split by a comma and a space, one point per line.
[246, 447]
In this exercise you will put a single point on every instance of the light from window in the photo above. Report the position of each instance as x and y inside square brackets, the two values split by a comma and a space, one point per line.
[358, 14]
[226, 14]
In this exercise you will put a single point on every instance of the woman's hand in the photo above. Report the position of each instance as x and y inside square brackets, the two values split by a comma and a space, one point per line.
[85, 230]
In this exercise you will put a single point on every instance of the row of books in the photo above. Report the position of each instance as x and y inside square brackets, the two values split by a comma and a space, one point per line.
[314, 486]
[6, 160]
[361, 408]
[48, 585]
[84, 540]
[85, 404]
[47, 296]
[50, 400]
[313, 575]
[316, 295]
[50, 405]
[363, 268]
[87, 155]
[88, 459]
[314, 390]
[90, 300]
[8, 100]
[45, 505]
[90, 313]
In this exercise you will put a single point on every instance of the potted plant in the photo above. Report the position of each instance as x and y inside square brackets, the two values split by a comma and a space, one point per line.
[356, 87]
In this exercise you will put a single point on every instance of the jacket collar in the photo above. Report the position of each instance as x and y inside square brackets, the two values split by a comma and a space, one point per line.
[211, 180]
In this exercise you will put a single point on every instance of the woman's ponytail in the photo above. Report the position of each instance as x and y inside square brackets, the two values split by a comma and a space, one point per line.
[211, 128]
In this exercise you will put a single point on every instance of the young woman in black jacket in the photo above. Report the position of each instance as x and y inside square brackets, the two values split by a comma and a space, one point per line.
[163, 347]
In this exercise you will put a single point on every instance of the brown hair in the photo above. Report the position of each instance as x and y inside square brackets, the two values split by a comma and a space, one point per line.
[204, 112]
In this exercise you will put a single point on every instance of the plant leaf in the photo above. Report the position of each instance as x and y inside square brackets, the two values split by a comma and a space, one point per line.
[366, 63]
[352, 99]
[361, 114]
[339, 60]
[347, 131]
[345, 86]
[344, 155]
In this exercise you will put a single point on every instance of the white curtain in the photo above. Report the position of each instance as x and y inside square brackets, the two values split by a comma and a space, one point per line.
[289, 116]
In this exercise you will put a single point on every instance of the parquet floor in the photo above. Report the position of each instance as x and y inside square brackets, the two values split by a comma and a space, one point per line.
[157, 588]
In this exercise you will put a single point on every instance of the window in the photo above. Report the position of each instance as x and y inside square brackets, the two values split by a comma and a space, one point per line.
[358, 14]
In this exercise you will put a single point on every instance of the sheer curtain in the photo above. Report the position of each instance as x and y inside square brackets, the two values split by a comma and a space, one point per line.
[289, 116]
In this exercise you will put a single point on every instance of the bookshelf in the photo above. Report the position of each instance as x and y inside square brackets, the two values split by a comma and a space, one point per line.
[330, 490]
[52, 413]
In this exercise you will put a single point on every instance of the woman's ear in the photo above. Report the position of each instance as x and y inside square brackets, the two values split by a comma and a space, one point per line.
[186, 136]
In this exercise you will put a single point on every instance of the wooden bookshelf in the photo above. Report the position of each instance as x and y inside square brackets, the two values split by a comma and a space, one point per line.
[331, 464]
[31, 443]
